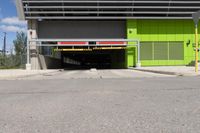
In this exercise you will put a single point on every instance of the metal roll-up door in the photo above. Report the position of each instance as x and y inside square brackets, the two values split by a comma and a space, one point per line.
[82, 29]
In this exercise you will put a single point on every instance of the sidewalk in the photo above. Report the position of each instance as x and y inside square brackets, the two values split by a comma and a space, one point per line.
[19, 73]
[171, 70]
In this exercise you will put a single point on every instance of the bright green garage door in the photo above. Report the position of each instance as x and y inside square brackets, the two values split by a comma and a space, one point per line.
[162, 51]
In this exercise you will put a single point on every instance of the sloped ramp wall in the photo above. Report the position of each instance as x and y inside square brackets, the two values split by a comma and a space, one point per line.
[47, 62]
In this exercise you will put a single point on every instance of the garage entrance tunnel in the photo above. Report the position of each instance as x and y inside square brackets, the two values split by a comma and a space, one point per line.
[84, 44]
[77, 54]
[100, 59]
[72, 54]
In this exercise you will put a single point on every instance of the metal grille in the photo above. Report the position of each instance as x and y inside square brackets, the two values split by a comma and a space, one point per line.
[162, 50]
[146, 51]
[176, 51]
[107, 9]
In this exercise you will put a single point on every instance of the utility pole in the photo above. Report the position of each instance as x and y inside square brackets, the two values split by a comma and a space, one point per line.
[196, 16]
[196, 49]
[4, 44]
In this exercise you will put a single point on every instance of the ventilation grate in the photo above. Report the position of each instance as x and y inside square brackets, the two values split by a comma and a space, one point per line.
[162, 50]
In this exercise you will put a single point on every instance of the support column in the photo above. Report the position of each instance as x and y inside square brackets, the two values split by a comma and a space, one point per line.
[33, 63]
[131, 53]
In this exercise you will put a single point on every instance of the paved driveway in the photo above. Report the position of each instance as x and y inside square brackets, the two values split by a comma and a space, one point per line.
[108, 105]
[96, 74]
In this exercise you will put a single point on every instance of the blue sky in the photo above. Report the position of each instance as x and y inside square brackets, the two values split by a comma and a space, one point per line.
[9, 22]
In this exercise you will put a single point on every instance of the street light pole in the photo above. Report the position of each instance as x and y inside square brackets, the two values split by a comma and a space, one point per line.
[196, 22]
[196, 49]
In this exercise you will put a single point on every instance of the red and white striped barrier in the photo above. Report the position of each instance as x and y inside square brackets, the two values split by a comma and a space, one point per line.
[99, 43]
[72, 43]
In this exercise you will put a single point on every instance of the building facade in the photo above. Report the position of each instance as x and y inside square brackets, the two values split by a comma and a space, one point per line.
[164, 28]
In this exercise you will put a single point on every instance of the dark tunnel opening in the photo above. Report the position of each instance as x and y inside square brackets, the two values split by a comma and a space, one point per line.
[102, 59]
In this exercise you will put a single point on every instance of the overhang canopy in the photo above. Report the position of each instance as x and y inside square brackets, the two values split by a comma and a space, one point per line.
[107, 9]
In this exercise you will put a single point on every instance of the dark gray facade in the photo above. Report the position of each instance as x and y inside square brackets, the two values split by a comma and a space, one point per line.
[82, 29]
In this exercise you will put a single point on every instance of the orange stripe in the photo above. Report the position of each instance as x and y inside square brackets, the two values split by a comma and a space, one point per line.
[116, 42]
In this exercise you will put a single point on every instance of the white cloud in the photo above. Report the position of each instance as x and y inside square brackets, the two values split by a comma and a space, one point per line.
[13, 21]
[12, 28]
[12, 24]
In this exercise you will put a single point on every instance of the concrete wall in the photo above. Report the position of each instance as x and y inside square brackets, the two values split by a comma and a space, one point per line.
[47, 62]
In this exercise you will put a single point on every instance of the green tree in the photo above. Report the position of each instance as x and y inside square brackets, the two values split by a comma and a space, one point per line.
[20, 43]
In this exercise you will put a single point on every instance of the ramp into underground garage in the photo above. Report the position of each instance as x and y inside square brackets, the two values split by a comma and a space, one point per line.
[88, 56]
[100, 59]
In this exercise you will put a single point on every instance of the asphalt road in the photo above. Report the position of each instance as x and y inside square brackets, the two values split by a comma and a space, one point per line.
[101, 105]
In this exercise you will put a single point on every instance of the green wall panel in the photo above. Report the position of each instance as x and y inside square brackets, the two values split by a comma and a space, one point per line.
[162, 30]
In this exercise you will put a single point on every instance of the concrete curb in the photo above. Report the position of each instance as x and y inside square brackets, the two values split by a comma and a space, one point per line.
[28, 75]
[165, 72]
[36, 74]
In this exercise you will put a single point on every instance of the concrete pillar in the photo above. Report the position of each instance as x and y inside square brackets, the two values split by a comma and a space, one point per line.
[131, 53]
[34, 55]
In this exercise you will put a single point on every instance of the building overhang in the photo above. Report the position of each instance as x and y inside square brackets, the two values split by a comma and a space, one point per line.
[20, 9]
[106, 9]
